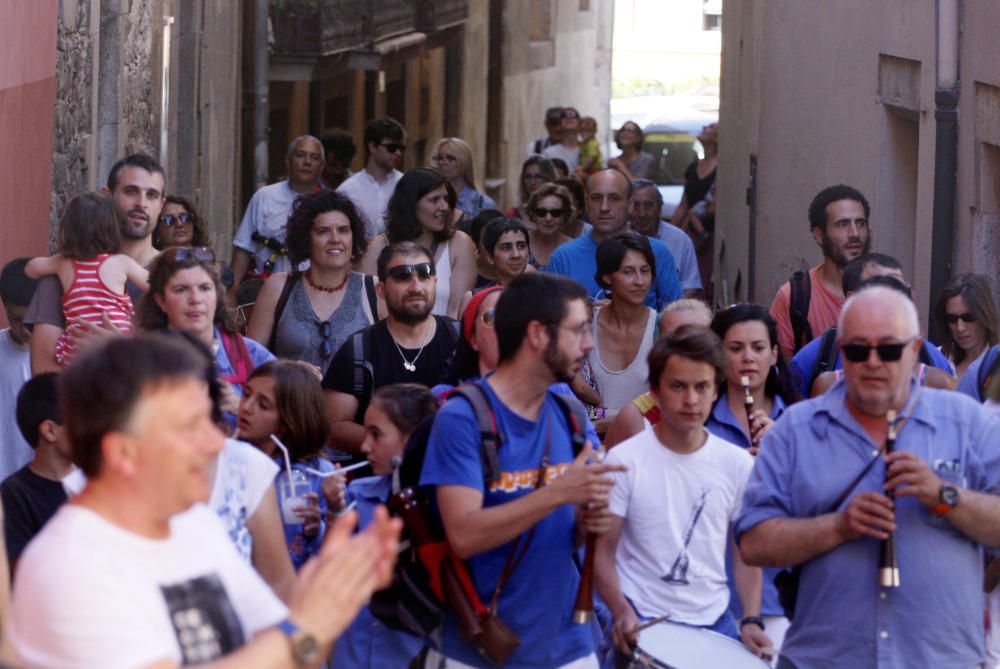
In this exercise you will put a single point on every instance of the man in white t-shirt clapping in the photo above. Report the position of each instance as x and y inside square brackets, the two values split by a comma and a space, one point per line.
[153, 580]
[672, 509]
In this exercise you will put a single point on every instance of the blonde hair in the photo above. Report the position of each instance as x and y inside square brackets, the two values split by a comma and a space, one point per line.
[465, 161]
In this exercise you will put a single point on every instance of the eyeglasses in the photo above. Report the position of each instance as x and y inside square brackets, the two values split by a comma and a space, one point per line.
[967, 317]
[424, 270]
[170, 219]
[886, 352]
[489, 318]
[542, 212]
[444, 159]
[581, 330]
[202, 253]
[393, 147]
[326, 332]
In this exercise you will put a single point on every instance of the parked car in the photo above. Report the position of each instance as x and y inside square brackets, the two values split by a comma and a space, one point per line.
[674, 144]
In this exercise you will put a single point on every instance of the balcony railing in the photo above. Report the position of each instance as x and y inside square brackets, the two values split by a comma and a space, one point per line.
[324, 27]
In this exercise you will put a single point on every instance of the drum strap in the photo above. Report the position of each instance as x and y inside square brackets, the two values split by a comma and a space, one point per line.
[520, 546]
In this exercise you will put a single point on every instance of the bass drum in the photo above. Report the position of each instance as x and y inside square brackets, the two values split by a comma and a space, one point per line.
[668, 645]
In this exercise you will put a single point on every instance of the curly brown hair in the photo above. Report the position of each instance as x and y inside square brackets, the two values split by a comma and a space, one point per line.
[152, 318]
[305, 210]
[199, 229]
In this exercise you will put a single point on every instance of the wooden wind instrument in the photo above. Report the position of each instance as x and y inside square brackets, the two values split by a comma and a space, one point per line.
[888, 566]
[583, 609]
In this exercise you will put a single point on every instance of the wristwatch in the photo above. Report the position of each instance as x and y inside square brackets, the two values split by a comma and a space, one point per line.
[755, 620]
[305, 649]
[947, 500]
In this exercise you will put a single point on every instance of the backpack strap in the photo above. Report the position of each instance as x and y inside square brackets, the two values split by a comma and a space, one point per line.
[925, 356]
[361, 366]
[490, 438]
[279, 308]
[455, 329]
[798, 308]
[576, 416]
[372, 297]
[987, 370]
[826, 357]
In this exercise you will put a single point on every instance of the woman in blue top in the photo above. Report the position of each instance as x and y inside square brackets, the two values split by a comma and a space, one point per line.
[392, 416]
[750, 339]
[284, 398]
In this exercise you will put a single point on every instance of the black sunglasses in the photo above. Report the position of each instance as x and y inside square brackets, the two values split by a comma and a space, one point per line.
[886, 352]
[393, 147]
[424, 270]
[542, 212]
[170, 219]
[967, 317]
[326, 332]
[202, 253]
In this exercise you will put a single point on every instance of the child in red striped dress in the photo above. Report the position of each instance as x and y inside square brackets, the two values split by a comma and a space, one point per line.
[92, 270]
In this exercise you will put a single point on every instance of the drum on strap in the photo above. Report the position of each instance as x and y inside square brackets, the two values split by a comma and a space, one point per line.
[668, 645]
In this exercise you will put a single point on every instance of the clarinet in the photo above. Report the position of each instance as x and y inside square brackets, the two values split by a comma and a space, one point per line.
[888, 566]
[747, 398]
[583, 608]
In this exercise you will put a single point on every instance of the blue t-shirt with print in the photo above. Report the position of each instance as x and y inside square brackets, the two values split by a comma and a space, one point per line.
[537, 601]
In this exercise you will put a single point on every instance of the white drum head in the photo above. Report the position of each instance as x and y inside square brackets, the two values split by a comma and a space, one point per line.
[682, 647]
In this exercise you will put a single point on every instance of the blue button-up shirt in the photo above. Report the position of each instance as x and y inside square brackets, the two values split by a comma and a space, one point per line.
[725, 425]
[843, 617]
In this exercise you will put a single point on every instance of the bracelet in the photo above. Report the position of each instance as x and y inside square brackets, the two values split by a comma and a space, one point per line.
[752, 620]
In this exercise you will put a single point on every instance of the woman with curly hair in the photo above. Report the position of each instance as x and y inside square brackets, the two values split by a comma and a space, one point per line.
[180, 224]
[308, 315]
[421, 210]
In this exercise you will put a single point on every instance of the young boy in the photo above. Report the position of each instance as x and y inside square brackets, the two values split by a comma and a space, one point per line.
[16, 291]
[590, 150]
[672, 508]
[33, 494]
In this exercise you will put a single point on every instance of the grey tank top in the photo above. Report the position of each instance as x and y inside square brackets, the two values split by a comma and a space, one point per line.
[300, 331]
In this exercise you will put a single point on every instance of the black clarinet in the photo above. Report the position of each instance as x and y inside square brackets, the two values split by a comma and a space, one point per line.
[888, 566]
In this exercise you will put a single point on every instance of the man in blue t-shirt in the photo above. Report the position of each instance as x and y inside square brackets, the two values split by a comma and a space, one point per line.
[543, 332]
[609, 196]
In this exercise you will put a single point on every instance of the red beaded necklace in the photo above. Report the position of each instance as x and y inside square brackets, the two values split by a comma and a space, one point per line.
[324, 289]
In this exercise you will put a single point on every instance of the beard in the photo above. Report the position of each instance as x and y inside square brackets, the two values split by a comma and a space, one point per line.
[559, 364]
[131, 231]
[410, 313]
[834, 252]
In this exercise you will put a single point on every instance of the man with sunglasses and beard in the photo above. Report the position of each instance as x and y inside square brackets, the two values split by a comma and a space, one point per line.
[545, 494]
[137, 185]
[409, 346]
[943, 474]
[371, 188]
[809, 303]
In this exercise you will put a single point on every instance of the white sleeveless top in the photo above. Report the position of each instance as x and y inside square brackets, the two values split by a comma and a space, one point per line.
[443, 269]
[618, 388]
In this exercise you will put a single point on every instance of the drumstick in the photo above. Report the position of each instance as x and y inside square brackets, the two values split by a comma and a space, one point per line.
[888, 566]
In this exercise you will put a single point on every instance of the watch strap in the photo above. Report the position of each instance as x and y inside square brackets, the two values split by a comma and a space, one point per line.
[755, 620]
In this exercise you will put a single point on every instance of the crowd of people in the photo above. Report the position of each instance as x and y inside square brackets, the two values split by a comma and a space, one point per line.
[198, 456]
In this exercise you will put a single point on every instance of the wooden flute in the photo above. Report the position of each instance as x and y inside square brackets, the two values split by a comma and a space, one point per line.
[888, 566]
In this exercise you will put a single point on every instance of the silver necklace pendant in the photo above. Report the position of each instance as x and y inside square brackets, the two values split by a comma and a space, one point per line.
[409, 366]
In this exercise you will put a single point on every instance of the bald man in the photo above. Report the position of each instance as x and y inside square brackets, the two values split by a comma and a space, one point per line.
[944, 473]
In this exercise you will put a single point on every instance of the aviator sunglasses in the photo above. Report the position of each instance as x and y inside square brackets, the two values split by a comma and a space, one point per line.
[886, 352]
[170, 219]
[202, 253]
[424, 270]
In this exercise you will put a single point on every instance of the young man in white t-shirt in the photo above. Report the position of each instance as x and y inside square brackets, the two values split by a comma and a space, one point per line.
[135, 571]
[672, 508]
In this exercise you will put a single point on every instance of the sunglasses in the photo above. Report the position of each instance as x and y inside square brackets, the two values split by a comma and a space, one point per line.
[489, 317]
[967, 317]
[424, 270]
[542, 212]
[202, 253]
[170, 219]
[393, 147]
[886, 352]
[445, 159]
[326, 332]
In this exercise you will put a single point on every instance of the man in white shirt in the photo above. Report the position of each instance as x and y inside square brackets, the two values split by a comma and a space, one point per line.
[645, 215]
[371, 188]
[261, 235]
[155, 582]
[672, 509]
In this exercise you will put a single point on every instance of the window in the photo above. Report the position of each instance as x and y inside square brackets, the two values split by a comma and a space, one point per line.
[711, 13]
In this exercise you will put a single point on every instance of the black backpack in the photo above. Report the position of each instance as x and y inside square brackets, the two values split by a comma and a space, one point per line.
[987, 371]
[414, 602]
[798, 308]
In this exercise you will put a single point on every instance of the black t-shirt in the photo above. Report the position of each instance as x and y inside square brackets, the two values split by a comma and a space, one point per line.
[29, 500]
[385, 362]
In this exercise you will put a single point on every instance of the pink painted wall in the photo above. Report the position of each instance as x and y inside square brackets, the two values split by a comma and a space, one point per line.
[27, 99]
